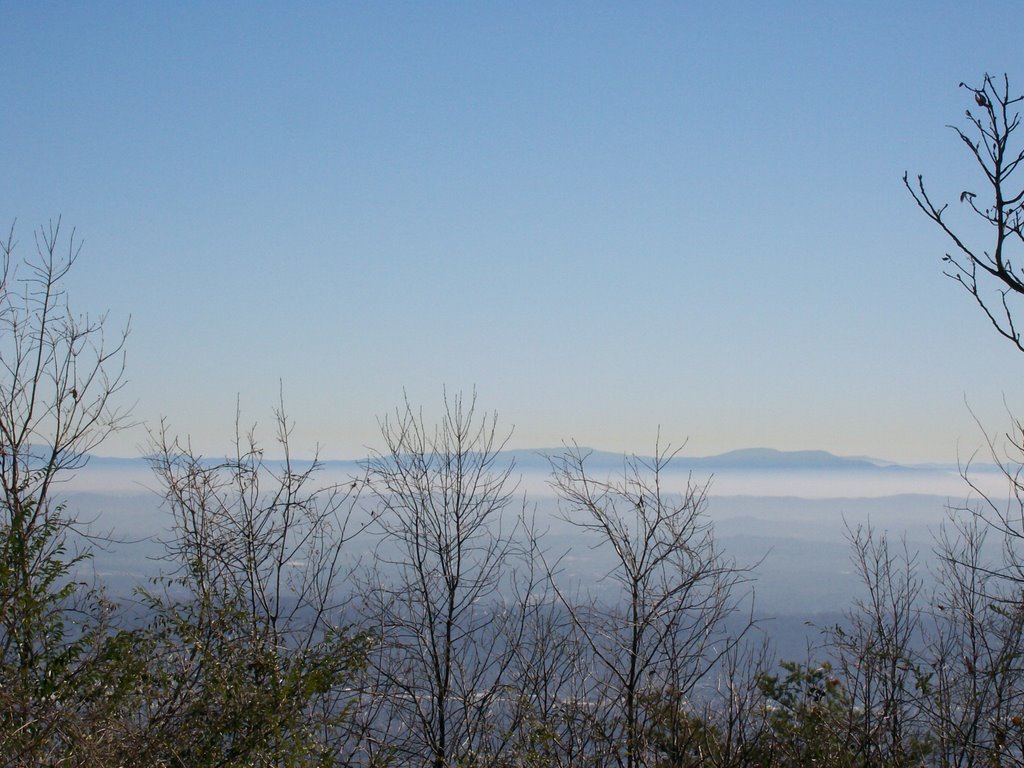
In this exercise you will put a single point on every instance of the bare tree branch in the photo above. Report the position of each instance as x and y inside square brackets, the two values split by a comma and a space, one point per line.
[991, 141]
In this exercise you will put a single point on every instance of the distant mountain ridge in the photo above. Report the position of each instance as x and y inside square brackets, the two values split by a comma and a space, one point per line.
[766, 472]
[743, 459]
[771, 458]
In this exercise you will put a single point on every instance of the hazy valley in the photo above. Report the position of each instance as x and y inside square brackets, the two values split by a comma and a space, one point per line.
[783, 514]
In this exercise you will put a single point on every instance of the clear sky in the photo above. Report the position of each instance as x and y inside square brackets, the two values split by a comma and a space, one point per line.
[604, 217]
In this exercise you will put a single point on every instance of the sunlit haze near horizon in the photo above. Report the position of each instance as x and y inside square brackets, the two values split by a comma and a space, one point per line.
[604, 219]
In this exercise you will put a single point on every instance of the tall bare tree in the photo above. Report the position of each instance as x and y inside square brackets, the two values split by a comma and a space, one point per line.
[60, 373]
[877, 654]
[978, 609]
[663, 630]
[974, 649]
[449, 590]
[252, 659]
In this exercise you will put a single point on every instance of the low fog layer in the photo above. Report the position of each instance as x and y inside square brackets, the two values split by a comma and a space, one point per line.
[790, 524]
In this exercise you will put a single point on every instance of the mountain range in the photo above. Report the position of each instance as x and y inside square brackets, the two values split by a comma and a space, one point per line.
[744, 459]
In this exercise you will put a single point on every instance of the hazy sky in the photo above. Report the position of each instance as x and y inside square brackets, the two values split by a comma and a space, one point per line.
[605, 217]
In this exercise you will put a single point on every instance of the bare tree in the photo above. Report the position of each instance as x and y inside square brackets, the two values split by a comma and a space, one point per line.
[59, 377]
[877, 654]
[735, 719]
[975, 650]
[657, 639]
[978, 620]
[548, 681]
[978, 609]
[992, 272]
[252, 659]
[726, 726]
[444, 597]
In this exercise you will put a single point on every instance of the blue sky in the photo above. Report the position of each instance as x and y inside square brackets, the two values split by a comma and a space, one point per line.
[604, 217]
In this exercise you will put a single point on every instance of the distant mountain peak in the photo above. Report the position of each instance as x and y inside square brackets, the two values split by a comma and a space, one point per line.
[745, 459]
[773, 458]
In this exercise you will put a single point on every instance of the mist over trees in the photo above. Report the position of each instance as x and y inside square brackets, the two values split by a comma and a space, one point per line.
[417, 614]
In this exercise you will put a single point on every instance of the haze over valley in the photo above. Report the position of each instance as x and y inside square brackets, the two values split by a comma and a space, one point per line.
[786, 514]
